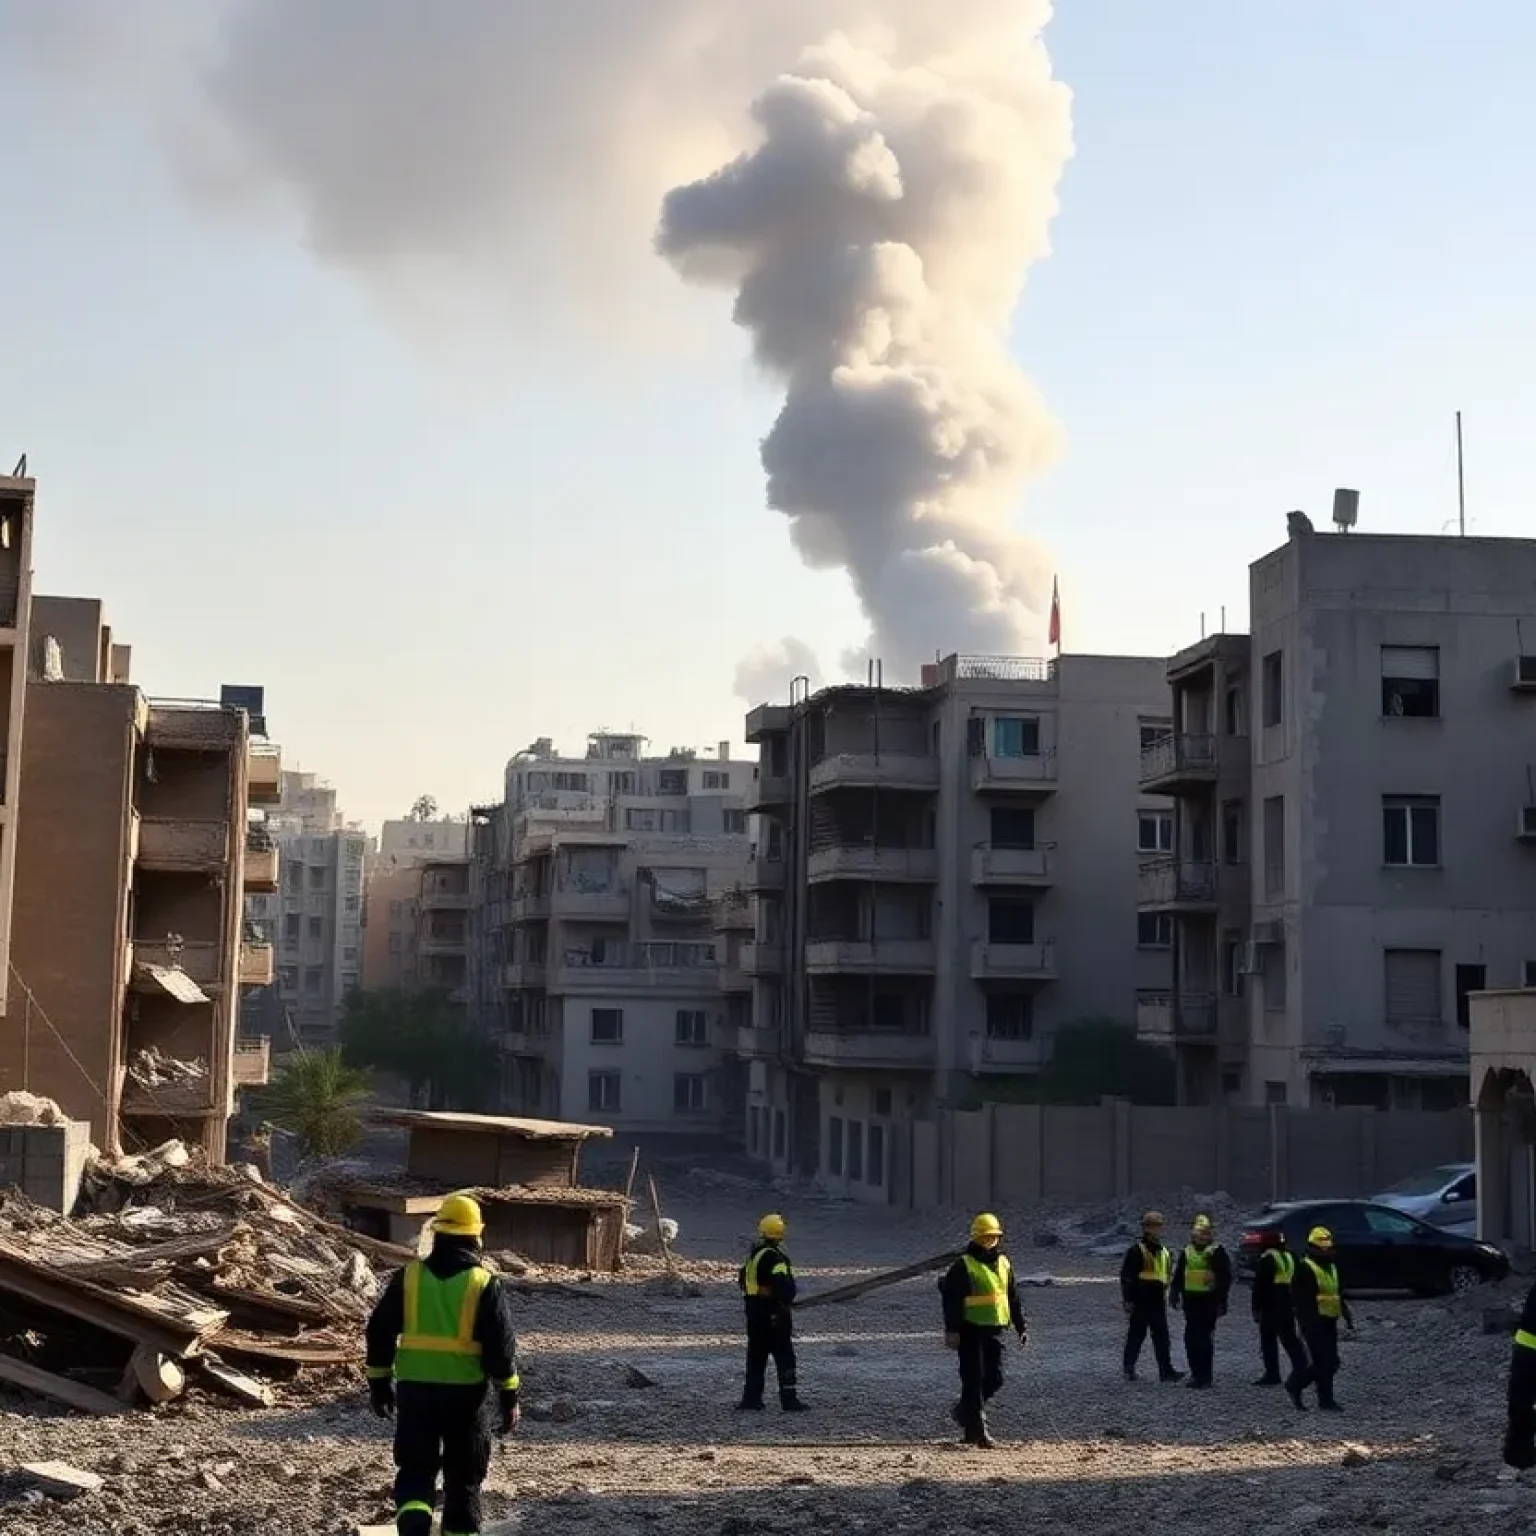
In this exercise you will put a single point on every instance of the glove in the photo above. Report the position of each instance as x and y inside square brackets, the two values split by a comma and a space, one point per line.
[381, 1397]
[510, 1413]
[951, 1341]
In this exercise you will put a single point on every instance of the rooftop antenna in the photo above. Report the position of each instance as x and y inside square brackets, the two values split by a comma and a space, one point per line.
[1346, 509]
[1461, 482]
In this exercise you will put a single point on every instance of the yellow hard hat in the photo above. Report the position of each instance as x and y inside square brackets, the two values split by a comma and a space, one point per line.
[772, 1227]
[459, 1216]
[1320, 1237]
[1152, 1219]
[985, 1225]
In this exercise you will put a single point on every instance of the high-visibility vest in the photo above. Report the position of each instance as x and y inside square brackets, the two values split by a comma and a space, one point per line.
[438, 1344]
[1285, 1265]
[1199, 1277]
[753, 1281]
[987, 1304]
[1525, 1340]
[1329, 1302]
[1154, 1265]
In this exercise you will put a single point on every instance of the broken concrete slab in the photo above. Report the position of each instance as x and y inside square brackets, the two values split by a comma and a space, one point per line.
[59, 1480]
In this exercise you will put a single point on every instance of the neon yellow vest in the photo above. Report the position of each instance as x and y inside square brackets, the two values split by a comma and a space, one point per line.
[987, 1304]
[437, 1344]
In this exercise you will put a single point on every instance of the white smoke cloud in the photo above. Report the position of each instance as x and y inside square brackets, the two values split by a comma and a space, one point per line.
[765, 673]
[876, 238]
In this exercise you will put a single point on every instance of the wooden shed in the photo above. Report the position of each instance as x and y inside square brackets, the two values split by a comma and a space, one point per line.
[491, 1151]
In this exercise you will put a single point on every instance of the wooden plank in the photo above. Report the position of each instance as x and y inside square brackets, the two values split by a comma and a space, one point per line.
[246, 1389]
[353, 1239]
[59, 1479]
[249, 1346]
[73, 1394]
[878, 1282]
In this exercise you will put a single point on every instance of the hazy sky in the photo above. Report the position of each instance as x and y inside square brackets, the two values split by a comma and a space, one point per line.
[1292, 241]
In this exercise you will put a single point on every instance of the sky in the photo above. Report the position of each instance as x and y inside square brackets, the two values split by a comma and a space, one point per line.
[1291, 243]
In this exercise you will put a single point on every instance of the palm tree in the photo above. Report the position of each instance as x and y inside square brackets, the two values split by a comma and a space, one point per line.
[424, 809]
[317, 1098]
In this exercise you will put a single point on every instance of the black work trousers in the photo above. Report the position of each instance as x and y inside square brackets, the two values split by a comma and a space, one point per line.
[1277, 1331]
[770, 1336]
[1322, 1338]
[981, 1372]
[1200, 1314]
[1148, 1317]
[440, 1428]
[1520, 1434]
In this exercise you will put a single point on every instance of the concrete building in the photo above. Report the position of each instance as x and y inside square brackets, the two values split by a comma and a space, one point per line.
[1354, 821]
[411, 839]
[416, 926]
[17, 495]
[129, 944]
[318, 915]
[595, 954]
[392, 897]
[945, 876]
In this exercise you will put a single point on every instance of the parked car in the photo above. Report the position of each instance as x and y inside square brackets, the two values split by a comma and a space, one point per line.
[1444, 1197]
[1379, 1248]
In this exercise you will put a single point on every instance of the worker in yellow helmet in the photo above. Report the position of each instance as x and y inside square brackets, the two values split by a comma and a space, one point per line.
[1319, 1300]
[1520, 1425]
[1200, 1287]
[440, 1335]
[767, 1282]
[1144, 1275]
[981, 1301]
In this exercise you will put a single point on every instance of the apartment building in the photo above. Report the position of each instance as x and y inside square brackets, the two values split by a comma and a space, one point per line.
[317, 916]
[392, 906]
[596, 887]
[945, 875]
[412, 839]
[1353, 790]
[129, 946]
[17, 496]
[442, 927]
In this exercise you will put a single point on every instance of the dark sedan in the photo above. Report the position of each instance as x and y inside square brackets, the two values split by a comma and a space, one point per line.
[1378, 1249]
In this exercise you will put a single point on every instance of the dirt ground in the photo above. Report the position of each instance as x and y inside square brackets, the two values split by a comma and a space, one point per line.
[1417, 1448]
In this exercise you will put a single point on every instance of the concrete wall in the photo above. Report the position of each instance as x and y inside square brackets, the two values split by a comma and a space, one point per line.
[45, 1162]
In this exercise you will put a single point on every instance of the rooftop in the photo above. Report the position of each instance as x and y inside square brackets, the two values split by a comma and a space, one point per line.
[494, 1125]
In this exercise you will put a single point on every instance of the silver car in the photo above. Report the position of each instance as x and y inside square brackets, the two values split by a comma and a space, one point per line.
[1444, 1197]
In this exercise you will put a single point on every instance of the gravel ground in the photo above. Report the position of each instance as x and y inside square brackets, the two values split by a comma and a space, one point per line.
[1417, 1448]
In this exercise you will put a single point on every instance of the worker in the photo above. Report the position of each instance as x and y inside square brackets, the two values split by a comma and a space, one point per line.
[1201, 1284]
[1520, 1435]
[442, 1331]
[1274, 1312]
[1144, 1276]
[1319, 1301]
[981, 1302]
[767, 1283]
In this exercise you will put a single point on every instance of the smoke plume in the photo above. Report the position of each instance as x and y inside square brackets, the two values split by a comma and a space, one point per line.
[766, 672]
[876, 239]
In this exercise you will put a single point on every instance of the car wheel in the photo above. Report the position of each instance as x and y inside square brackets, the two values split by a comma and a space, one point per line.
[1464, 1278]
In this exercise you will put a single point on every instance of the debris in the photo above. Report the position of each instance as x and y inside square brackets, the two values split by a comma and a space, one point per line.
[72, 1394]
[878, 1282]
[563, 1410]
[21, 1108]
[635, 1377]
[59, 1480]
[1355, 1456]
[253, 1393]
[1449, 1471]
[151, 1068]
[157, 1376]
[1039, 1280]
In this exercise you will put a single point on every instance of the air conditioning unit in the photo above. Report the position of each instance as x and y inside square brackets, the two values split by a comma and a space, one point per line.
[1525, 672]
[1526, 827]
[1252, 961]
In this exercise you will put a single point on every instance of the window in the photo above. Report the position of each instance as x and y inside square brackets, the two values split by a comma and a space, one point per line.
[1469, 979]
[1528, 974]
[672, 781]
[688, 1093]
[733, 821]
[716, 780]
[607, 1026]
[1412, 983]
[313, 977]
[288, 978]
[1010, 921]
[353, 902]
[604, 1095]
[1273, 977]
[1274, 1093]
[1232, 709]
[1462, 1189]
[835, 1146]
[394, 909]
[1015, 736]
[856, 1151]
[1274, 846]
[1273, 684]
[1410, 682]
[1410, 831]
[1232, 964]
[778, 1133]
[1232, 832]
[1010, 1016]
[290, 928]
[1154, 930]
[874, 1172]
[1013, 827]
[1390, 1223]
[317, 928]
[349, 955]
[1154, 831]
[316, 878]
[883, 1101]
[1154, 731]
[692, 1026]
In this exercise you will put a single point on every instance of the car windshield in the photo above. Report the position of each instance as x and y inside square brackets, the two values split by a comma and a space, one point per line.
[1430, 1183]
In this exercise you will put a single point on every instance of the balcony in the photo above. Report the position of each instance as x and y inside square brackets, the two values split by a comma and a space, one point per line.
[599, 904]
[167, 843]
[732, 979]
[872, 770]
[201, 963]
[530, 909]
[1176, 885]
[1029, 776]
[264, 774]
[428, 943]
[765, 873]
[261, 868]
[1178, 763]
[868, 861]
[1166, 1016]
[252, 1066]
[754, 1044]
[883, 957]
[192, 725]
[444, 901]
[762, 958]
[187, 1096]
[732, 914]
[1013, 962]
[524, 973]
[994, 865]
[604, 980]
[877, 1050]
[769, 792]
[256, 965]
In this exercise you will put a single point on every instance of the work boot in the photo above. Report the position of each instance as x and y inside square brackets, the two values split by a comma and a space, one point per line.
[790, 1403]
[750, 1405]
[1331, 1406]
[1130, 1375]
[1267, 1381]
[1168, 1377]
[1199, 1386]
[957, 1413]
[1293, 1392]
[979, 1436]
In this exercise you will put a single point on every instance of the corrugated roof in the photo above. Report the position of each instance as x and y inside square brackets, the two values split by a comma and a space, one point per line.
[177, 983]
[495, 1125]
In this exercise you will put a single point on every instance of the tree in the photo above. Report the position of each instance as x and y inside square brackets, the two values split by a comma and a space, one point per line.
[424, 808]
[317, 1097]
[1097, 1058]
[425, 1039]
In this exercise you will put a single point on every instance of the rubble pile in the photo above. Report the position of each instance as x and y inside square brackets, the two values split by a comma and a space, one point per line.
[151, 1068]
[21, 1108]
[1103, 1230]
[174, 1274]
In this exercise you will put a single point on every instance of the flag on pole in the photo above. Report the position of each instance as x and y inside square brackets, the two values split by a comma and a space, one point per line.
[1053, 636]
